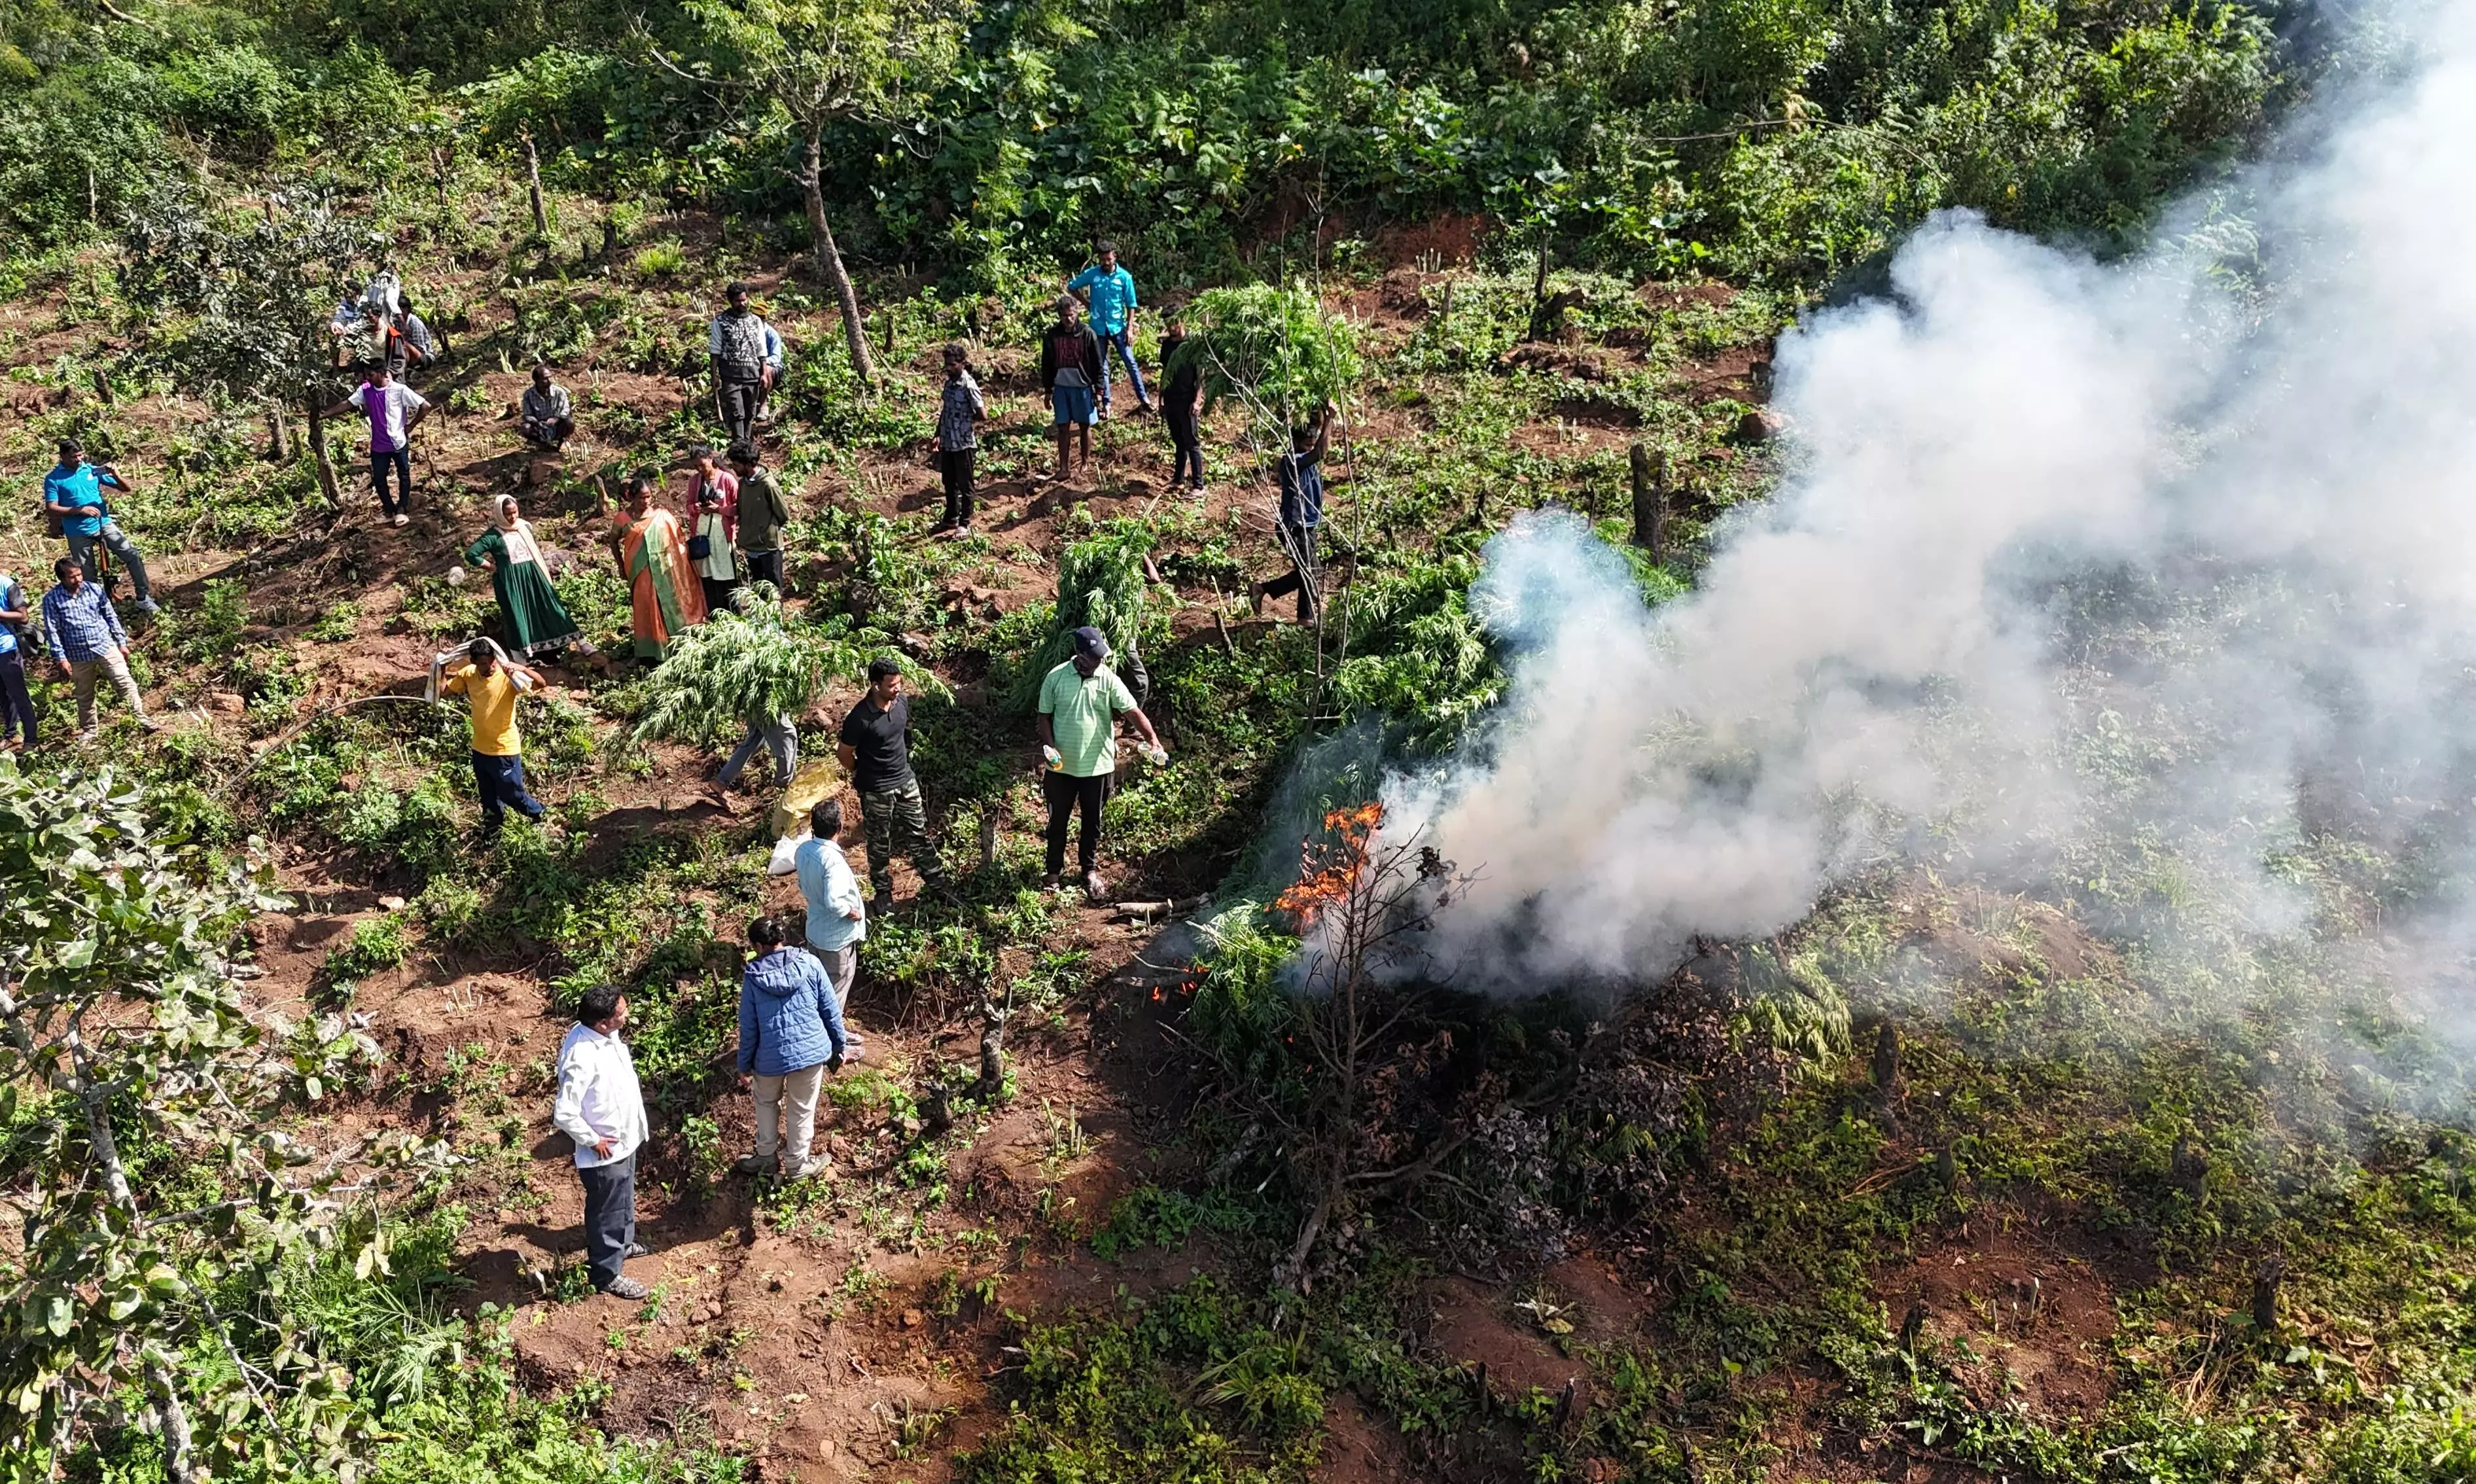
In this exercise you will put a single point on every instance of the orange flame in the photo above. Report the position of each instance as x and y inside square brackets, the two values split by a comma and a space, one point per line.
[1329, 870]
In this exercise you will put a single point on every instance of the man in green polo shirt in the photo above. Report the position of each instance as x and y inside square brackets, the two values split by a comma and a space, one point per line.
[1081, 702]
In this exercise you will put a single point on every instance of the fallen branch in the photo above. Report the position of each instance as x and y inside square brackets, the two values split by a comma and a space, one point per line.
[315, 717]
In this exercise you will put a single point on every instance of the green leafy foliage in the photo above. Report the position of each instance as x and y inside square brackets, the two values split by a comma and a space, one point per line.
[1100, 583]
[1098, 1399]
[160, 1181]
[1275, 350]
[739, 665]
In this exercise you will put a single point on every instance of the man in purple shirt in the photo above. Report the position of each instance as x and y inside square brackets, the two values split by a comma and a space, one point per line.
[394, 410]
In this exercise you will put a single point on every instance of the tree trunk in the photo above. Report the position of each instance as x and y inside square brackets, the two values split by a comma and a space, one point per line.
[280, 433]
[319, 451]
[993, 1024]
[829, 258]
[1538, 288]
[533, 189]
[1650, 503]
[180, 1447]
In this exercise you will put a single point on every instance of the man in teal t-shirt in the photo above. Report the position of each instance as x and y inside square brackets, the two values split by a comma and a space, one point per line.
[1081, 702]
[73, 494]
[1113, 319]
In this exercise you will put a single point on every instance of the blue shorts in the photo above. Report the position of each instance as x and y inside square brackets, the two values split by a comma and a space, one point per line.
[1074, 406]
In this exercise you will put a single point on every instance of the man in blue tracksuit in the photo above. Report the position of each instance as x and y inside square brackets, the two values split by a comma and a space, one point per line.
[1113, 291]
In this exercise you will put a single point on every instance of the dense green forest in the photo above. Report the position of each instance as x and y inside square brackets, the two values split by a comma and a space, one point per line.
[1776, 144]
[1940, 1183]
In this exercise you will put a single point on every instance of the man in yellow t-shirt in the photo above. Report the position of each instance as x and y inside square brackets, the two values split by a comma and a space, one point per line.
[493, 681]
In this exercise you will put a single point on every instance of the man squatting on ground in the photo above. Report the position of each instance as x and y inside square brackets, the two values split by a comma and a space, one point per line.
[547, 412]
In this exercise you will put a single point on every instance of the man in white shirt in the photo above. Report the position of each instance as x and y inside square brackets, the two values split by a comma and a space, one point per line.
[600, 1107]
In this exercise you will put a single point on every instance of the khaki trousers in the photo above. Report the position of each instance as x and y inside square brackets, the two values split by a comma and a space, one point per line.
[82, 673]
[799, 1089]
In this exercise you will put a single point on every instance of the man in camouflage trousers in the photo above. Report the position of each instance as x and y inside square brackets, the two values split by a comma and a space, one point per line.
[876, 747]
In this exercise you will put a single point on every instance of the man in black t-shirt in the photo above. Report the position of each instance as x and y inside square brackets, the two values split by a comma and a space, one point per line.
[876, 746]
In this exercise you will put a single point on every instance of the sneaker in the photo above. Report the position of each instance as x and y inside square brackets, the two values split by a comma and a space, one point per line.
[755, 1164]
[1196, 490]
[1047, 881]
[1095, 889]
[806, 1169]
[638, 1250]
[628, 1289]
[403, 519]
[963, 530]
[147, 605]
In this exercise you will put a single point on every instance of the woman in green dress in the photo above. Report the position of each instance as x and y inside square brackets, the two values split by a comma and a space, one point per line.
[535, 621]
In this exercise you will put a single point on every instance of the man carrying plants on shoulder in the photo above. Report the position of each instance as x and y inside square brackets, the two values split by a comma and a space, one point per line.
[602, 1108]
[1081, 702]
[791, 1034]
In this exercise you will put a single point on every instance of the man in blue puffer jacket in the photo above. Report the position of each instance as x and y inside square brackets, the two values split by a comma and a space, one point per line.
[790, 1033]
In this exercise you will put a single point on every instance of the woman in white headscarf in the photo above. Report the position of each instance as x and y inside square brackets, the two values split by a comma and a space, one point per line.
[534, 617]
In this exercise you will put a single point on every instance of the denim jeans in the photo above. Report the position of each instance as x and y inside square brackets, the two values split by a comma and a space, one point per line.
[1124, 344]
[111, 539]
[501, 782]
[400, 459]
[779, 737]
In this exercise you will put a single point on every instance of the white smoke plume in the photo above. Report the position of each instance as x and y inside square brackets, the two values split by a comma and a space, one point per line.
[2076, 568]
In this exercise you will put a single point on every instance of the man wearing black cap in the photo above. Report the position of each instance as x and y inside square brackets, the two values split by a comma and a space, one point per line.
[1081, 702]
[747, 359]
[876, 746]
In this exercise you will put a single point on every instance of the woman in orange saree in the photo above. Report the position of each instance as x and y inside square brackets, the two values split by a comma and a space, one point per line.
[663, 584]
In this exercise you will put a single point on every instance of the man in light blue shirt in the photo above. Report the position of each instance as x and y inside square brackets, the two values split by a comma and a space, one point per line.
[73, 495]
[1112, 290]
[837, 913]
